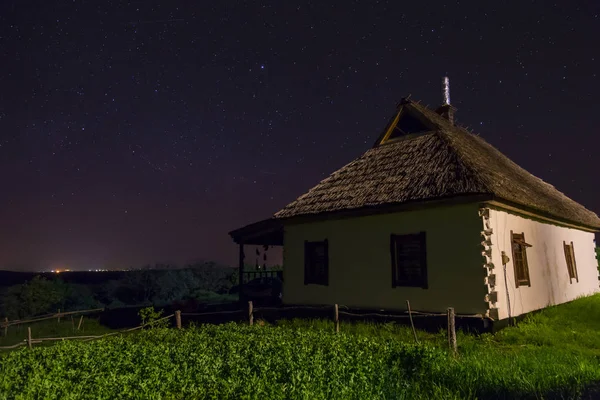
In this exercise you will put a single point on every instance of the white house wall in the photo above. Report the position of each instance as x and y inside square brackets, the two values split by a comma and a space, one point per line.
[549, 277]
[360, 262]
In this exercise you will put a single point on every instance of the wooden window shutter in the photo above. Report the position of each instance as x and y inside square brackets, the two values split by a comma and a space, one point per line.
[570, 258]
[326, 264]
[307, 262]
[393, 255]
[424, 260]
[519, 252]
[574, 262]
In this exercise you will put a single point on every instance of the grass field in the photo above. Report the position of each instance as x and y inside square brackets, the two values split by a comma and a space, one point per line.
[552, 354]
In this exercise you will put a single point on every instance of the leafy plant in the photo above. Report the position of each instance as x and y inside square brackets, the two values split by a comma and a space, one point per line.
[153, 318]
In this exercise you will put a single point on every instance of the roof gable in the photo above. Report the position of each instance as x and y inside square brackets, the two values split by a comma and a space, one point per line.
[445, 161]
[404, 123]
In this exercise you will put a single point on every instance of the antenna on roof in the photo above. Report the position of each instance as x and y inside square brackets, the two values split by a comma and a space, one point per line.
[446, 110]
[446, 86]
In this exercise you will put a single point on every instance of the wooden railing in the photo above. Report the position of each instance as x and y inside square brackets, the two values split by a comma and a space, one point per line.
[255, 274]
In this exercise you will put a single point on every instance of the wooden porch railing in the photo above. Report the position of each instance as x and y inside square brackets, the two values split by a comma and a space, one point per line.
[250, 275]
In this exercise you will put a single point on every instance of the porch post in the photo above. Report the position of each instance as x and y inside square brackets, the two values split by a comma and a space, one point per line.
[241, 271]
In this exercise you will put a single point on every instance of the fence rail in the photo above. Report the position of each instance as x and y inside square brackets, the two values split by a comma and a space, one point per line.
[250, 313]
[6, 323]
[29, 341]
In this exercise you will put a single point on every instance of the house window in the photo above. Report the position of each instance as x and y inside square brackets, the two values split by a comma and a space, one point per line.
[519, 251]
[316, 263]
[409, 261]
[571, 265]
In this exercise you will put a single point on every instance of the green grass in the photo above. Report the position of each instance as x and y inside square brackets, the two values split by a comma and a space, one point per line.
[51, 328]
[552, 354]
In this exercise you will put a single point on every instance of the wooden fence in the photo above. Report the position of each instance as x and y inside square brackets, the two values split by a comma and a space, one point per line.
[248, 315]
[58, 315]
[30, 340]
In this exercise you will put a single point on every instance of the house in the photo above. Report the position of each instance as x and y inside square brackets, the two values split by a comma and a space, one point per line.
[435, 215]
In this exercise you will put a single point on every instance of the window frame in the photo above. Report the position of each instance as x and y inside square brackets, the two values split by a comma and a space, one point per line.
[311, 277]
[519, 238]
[571, 262]
[423, 282]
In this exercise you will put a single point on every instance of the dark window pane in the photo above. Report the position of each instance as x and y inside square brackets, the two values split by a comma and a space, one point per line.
[408, 260]
[316, 263]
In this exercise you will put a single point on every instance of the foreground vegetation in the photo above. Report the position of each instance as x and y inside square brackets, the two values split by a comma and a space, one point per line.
[553, 354]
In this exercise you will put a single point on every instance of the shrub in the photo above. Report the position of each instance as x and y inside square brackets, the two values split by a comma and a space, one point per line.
[153, 318]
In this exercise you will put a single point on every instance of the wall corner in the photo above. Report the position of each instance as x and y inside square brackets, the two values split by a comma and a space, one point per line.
[491, 294]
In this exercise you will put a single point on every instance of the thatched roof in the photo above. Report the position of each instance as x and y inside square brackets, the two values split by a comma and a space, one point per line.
[440, 161]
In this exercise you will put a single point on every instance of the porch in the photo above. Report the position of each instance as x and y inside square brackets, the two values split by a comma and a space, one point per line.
[265, 233]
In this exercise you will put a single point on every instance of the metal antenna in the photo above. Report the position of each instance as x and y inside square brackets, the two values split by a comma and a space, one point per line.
[446, 86]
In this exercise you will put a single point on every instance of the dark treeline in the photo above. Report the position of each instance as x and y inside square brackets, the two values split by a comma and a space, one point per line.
[24, 295]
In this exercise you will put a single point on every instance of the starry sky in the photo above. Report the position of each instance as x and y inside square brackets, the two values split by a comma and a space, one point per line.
[135, 132]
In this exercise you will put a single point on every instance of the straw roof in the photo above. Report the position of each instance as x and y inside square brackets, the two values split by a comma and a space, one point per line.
[442, 161]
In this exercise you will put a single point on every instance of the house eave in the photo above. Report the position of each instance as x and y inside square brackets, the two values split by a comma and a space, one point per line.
[268, 232]
[387, 208]
[537, 214]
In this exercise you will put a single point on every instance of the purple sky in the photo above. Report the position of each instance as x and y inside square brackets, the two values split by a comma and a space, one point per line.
[143, 131]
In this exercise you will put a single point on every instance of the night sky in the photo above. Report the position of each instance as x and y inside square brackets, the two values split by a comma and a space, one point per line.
[144, 131]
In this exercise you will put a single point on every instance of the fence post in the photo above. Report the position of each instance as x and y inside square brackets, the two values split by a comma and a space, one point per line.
[80, 322]
[411, 322]
[59, 315]
[72, 323]
[336, 318]
[250, 313]
[29, 336]
[178, 319]
[451, 330]
[6, 326]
